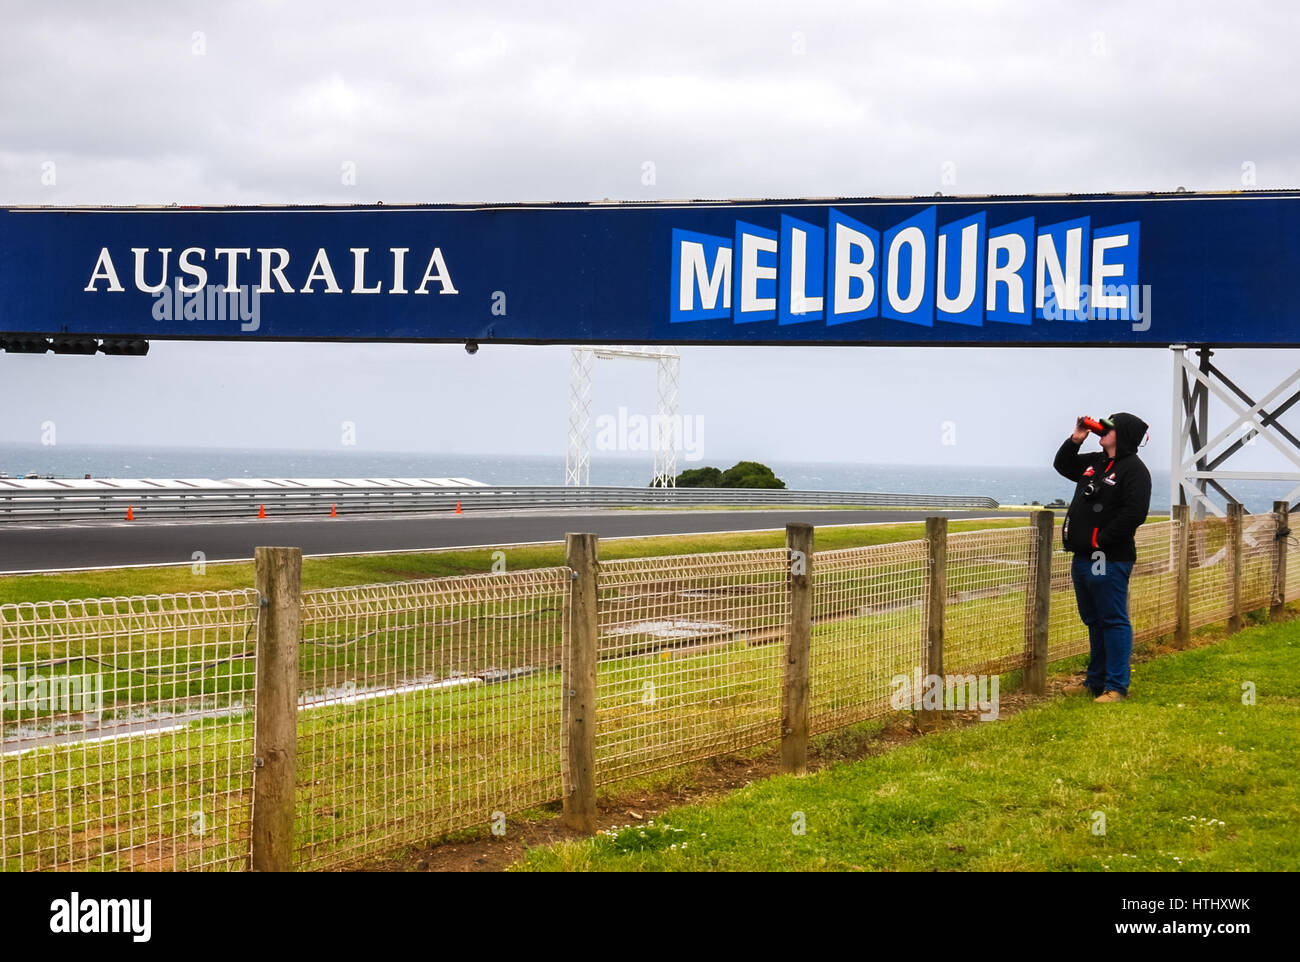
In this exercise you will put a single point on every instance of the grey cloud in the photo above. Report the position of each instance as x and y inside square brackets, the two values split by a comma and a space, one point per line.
[532, 101]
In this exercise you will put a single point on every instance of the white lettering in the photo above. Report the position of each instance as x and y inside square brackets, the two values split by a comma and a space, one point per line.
[232, 266]
[751, 272]
[321, 271]
[1065, 283]
[966, 293]
[846, 240]
[140, 285]
[694, 267]
[800, 302]
[359, 272]
[436, 272]
[1106, 297]
[1014, 245]
[399, 270]
[198, 272]
[281, 256]
[104, 271]
[914, 237]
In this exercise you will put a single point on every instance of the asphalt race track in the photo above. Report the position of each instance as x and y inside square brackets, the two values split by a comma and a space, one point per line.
[45, 546]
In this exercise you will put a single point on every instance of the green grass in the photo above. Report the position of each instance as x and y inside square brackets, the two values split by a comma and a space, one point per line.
[1186, 775]
[382, 767]
[187, 657]
[400, 769]
[720, 698]
[174, 659]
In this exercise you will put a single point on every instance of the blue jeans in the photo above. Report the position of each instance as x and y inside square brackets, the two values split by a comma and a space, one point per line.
[1103, 606]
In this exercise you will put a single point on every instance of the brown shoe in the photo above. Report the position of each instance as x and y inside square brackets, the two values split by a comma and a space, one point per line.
[1079, 689]
[1108, 696]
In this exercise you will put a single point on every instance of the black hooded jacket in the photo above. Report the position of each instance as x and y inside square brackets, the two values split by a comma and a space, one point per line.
[1111, 497]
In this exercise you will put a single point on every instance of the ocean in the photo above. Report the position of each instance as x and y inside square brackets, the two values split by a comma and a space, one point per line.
[1008, 484]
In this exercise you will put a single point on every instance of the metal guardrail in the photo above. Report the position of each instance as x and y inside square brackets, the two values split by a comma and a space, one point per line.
[44, 504]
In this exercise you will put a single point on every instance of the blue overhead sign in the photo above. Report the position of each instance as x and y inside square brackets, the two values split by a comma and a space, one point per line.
[1116, 269]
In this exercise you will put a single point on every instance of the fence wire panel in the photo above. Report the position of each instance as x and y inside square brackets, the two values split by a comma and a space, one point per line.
[1291, 587]
[867, 629]
[1150, 592]
[1257, 548]
[1208, 569]
[426, 707]
[690, 651]
[126, 736]
[1152, 583]
[1066, 633]
[988, 594]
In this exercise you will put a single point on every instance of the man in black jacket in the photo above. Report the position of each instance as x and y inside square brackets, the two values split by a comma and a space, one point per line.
[1112, 496]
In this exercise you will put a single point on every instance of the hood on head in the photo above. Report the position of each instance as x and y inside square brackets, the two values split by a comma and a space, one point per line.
[1129, 432]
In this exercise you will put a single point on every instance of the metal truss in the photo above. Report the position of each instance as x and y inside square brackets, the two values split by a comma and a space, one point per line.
[577, 461]
[1196, 458]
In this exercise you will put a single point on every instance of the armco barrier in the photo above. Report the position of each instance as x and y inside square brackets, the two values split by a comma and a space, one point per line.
[52, 500]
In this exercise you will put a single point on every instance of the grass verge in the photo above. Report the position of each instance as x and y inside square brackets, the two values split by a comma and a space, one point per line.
[1183, 776]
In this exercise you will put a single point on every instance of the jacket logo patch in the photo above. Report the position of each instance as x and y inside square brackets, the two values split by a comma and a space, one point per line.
[1089, 472]
[1109, 479]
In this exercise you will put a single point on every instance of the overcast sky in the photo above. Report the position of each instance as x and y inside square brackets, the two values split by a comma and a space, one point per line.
[243, 102]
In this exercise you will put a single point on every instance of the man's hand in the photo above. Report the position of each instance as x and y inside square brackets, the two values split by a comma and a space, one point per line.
[1080, 432]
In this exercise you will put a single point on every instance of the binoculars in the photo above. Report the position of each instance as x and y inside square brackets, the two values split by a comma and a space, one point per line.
[1093, 425]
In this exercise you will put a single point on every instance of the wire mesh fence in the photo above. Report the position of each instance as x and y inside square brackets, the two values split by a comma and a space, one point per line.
[1152, 589]
[1066, 633]
[988, 590]
[689, 658]
[126, 737]
[126, 732]
[1258, 547]
[867, 629]
[1290, 583]
[1208, 562]
[426, 707]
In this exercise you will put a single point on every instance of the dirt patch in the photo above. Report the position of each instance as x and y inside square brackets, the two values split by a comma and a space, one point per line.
[703, 780]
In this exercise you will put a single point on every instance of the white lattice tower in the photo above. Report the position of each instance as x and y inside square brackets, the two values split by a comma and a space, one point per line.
[668, 383]
[577, 461]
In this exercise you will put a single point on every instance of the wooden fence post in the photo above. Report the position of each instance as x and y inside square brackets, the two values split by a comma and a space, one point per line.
[579, 685]
[275, 730]
[936, 542]
[1182, 577]
[1039, 610]
[1233, 558]
[796, 681]
[1281, 513]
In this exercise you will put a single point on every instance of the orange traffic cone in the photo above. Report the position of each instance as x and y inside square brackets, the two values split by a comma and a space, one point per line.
[458, 511]
[130, 515]
[334, 510]
[261, 513]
